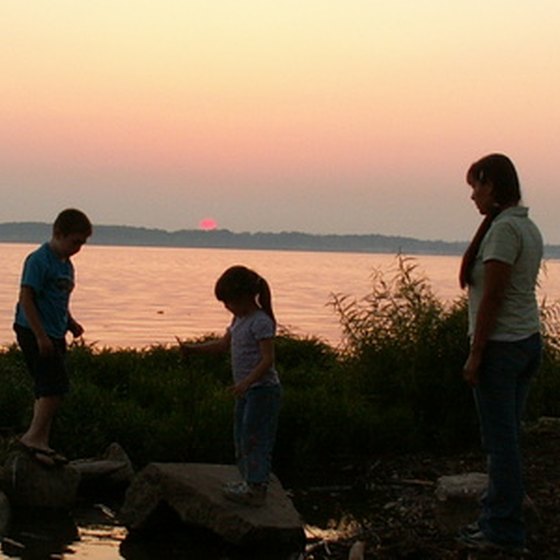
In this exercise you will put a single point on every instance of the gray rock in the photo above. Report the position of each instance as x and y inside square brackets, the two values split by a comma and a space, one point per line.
[458, 498]
[194, 492]
[462, 487]
[545, 425]
[5, 514]
[458, 501]
[113, 467]
[30, 484]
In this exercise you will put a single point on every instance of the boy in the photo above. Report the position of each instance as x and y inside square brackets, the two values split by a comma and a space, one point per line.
[41, 322]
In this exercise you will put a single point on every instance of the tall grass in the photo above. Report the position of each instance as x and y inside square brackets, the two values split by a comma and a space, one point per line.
[394, 384]
[403, 351]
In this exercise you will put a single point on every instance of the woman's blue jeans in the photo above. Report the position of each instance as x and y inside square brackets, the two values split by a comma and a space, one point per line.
[255, 426]
[500, 396]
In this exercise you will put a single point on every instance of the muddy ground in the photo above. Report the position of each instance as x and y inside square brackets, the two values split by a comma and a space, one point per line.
[389, 505]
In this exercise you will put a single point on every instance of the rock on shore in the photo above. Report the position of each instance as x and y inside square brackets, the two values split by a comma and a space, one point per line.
[193, 492]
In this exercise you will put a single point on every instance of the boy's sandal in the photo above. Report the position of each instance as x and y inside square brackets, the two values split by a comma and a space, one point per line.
[40, 456]
[46, 457]
[58, 458]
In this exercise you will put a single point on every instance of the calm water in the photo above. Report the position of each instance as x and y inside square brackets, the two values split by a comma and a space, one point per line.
[138, 296]
[132, 296]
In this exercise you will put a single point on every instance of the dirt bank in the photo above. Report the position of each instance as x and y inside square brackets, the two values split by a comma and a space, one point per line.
[394, 510]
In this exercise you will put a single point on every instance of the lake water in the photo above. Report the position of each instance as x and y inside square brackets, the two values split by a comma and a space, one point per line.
[138, 296]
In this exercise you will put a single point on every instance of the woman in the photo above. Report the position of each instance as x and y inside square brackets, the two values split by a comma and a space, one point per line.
[500, 268]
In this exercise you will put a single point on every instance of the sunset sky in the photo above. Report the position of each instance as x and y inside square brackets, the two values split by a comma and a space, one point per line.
[323, 116]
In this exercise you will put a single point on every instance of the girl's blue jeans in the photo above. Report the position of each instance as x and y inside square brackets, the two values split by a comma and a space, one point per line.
[255, 425]
[500, 396]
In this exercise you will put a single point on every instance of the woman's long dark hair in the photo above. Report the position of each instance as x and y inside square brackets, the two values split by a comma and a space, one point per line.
[238, 282]
[498, 170]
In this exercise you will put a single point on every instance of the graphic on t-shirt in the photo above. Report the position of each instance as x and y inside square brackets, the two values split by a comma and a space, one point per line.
[64, 284]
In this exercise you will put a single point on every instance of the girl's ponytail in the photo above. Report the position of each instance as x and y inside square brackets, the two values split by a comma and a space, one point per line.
[264, 298]
[240, 281]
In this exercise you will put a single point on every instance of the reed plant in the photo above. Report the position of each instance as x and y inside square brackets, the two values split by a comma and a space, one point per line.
[403, 351]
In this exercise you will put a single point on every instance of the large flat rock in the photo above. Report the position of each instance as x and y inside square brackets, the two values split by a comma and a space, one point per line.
[194, 492]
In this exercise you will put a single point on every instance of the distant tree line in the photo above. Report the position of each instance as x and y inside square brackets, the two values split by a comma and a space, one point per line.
[36, 232]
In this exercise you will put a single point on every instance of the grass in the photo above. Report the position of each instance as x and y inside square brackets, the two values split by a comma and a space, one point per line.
[394, 385]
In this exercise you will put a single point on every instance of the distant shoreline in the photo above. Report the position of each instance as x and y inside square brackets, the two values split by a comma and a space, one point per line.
[37, 232]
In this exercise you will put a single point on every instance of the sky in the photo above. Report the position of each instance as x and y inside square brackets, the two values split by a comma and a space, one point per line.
[320, 116]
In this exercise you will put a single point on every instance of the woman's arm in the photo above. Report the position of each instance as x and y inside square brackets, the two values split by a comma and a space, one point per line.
[496, 279]
[266, 347]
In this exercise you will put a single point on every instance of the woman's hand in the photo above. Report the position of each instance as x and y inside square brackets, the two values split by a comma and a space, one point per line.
[471, 369]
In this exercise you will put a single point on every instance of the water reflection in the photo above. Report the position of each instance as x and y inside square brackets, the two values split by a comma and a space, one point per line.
[48, 536]
[40, 536]
[192, 544]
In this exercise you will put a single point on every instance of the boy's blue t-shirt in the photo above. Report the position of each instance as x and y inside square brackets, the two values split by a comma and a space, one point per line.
[52, 281]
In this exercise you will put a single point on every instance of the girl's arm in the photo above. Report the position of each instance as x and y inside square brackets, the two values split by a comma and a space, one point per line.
[27, 302]
[266, 347]
[211, 347]
[496, 279]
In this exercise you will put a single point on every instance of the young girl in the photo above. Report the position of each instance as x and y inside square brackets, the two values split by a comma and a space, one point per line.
[256, 386]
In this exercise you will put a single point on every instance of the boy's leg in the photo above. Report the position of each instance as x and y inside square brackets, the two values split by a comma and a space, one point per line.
[51, 384]
[44, 412]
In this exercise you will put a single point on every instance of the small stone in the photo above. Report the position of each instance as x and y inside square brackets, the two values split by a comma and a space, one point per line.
[458, 499]
[113, 467]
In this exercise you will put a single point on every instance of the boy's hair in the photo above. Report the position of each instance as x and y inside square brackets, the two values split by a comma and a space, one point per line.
[72, 221]
[238, 282]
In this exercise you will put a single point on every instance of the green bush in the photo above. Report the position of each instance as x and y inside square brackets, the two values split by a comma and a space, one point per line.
[404, 349]
[15, 392]
[394, 385]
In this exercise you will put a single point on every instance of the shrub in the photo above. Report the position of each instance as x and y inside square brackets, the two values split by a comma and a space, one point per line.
[395, 384]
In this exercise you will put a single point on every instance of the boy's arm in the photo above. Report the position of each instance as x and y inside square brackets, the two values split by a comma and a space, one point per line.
[74, 327]
[266, 347]
[27, 302]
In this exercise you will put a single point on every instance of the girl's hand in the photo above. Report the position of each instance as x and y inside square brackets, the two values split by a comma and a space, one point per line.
[239, 389]
[471, 369]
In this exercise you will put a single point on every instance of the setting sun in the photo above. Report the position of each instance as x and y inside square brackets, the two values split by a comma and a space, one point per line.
[155, 113]
[207, 224]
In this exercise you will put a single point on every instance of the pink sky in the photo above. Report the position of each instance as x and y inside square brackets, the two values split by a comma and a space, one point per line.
[346, 116]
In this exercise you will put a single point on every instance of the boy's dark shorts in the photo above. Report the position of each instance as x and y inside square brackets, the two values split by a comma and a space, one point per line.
[48, 372]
